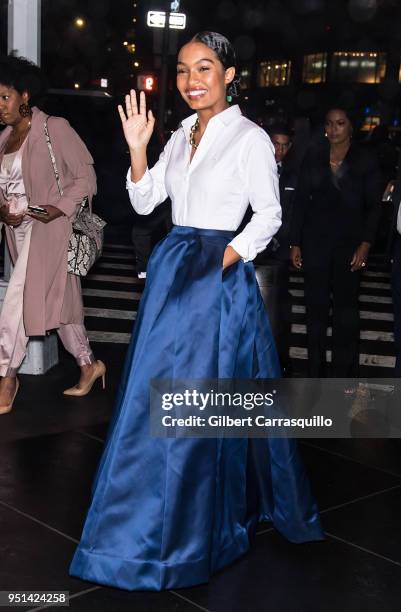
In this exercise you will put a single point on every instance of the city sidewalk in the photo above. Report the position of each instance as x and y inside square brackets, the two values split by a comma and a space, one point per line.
[50, 447]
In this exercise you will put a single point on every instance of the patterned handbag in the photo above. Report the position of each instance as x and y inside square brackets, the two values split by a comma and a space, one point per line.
[86, 241]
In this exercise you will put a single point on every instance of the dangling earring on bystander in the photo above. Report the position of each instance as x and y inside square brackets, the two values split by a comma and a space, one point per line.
[25, 110]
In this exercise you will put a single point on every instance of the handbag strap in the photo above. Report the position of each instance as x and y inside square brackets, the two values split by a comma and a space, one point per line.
[53, 160]
[52, 156]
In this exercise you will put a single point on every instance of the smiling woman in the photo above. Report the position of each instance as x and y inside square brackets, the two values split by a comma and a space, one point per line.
[169, 512]
[213, 66]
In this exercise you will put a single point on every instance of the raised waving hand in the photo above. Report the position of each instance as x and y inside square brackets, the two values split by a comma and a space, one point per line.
[137, 124]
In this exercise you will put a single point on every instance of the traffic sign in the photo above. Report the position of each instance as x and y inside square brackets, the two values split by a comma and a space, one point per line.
[157, 19]
[146, 82]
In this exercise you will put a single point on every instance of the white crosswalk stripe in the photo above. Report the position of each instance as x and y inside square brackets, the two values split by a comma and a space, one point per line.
[364, 314]
[109, 313]
[364, 334]
[381, 361]
[115, 337]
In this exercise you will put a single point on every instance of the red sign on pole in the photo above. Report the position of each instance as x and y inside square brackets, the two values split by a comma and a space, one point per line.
[147, 82]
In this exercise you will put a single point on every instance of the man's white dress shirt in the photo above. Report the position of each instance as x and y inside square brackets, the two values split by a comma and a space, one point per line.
[233, 166]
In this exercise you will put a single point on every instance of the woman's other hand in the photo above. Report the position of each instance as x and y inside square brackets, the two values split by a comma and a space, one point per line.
[296, 257]
[10, 218]
[137, 124]
[360, 257]
[53, 213]
[230, 257]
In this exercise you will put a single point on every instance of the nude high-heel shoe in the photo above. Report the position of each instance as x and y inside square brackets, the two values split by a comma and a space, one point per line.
[99, 371]
[9, 407]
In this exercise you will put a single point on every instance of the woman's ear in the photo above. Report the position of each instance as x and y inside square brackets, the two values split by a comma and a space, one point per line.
[229, 75]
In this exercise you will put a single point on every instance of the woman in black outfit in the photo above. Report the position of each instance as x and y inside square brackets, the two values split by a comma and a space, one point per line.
[336, 212]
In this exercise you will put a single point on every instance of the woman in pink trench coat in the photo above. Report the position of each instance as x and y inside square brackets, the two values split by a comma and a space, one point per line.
[41, 295]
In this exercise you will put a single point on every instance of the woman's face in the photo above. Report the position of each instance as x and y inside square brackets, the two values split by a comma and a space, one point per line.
[10, 101]
[338, 127]
[201, 77]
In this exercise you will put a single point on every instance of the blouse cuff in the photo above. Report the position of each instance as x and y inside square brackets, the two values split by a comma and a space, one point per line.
[143, 185]
[247, 251]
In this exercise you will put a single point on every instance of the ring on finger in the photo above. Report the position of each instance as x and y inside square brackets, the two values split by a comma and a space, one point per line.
[363, 264]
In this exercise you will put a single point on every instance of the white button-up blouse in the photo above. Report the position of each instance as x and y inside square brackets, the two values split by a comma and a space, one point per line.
[233, 166]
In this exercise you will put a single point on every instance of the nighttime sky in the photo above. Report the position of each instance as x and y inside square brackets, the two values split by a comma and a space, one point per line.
[259, 28]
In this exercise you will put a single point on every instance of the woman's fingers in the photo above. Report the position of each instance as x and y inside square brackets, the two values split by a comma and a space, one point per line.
[134, 104]
[128, 106]
[357, 262]
[142, 104]
[121, 113]
[296, 257]
[151, 120]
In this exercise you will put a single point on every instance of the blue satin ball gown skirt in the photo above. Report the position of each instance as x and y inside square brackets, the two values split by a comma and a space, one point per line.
[168, 512]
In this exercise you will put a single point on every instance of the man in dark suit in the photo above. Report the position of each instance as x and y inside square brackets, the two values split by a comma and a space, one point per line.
[272, 266]
[396, 270]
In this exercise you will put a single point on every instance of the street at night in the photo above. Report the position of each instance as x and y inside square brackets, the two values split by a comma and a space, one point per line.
[264, 244]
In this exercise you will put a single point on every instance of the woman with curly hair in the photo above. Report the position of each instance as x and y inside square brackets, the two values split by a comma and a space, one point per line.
[41, 295]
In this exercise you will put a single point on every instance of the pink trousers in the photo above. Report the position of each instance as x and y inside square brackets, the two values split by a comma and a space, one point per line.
[13, 340]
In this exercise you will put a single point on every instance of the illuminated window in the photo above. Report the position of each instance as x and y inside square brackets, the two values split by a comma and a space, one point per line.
[357, 67]
[315, 68]
[274, 73]
[245, 75]
[370, 122]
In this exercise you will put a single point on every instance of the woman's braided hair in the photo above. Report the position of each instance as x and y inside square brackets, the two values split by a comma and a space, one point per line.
[225, 52]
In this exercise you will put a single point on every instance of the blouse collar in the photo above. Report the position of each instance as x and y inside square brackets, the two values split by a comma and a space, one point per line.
[224, 118]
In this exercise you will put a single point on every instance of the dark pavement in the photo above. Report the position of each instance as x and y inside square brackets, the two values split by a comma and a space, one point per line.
[50, 447]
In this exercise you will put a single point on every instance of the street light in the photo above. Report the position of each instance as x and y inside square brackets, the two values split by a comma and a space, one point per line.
[79, 22]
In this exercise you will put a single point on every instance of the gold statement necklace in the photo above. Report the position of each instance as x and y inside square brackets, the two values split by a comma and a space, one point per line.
[194, 129]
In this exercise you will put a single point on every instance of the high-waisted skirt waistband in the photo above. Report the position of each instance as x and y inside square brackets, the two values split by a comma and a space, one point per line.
[186, 230]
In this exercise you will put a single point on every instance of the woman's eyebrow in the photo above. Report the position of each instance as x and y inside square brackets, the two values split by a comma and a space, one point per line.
[204, 59]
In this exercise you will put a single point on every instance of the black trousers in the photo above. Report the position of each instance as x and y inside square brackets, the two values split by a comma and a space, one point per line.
[147, 230]
[329, 282]
[396, 284]
[273, 280]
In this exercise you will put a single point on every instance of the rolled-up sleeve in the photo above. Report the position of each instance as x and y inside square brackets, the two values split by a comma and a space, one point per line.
[260, 175]
[150, 190]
